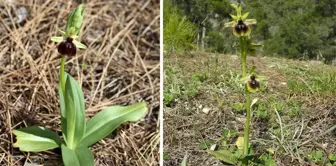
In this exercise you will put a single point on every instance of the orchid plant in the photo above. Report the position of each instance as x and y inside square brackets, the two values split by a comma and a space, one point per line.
[77, 134]
[241, 27]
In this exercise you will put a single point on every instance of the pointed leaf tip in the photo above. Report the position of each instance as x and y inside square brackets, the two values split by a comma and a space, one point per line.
[107, 120]
[36, 139]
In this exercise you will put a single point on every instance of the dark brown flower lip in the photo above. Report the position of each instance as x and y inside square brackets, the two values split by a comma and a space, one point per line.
[67, 47]
[253, 83]
[241, 27]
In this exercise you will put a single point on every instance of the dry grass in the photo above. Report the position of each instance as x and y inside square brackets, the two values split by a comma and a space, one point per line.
[120, 66]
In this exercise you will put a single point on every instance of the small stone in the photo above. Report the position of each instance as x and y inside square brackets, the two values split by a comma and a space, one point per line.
[206, 110]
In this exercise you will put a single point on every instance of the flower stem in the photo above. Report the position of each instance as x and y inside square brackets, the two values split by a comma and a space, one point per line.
[247, 93]
[62, 74]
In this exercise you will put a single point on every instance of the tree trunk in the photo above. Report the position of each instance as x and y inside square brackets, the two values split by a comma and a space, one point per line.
[198, 38]
[203, 37]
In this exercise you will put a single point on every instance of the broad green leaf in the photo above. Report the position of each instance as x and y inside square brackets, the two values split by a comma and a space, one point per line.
[79, 44]
[85, 156]
[62, 105]
[75, 21]
[223, 155]
[81, 156]
[107, 120]
[69, 157]
[75, 112]
[36, 139]
[244, 16]
[57, 39]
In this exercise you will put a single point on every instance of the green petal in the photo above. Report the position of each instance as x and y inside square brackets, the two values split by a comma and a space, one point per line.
[57, 39]
[79, 44]
[230, 24]
[260, 78]
[250, 21]
[244, 80]
[62, 32]
[256, 45]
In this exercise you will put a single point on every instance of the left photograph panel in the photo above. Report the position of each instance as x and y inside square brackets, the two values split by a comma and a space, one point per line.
[79, 82]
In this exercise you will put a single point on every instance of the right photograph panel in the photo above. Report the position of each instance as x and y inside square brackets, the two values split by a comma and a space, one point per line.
[249, 82]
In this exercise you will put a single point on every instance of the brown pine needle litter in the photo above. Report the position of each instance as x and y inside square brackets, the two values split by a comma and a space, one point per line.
[120, 66]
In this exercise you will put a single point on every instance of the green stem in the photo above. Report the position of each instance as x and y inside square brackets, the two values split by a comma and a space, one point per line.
[248, 99]
[62, 74]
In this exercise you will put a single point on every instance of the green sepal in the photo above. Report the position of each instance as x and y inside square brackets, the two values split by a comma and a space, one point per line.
[244, 16]
[235, 18]
[238, 9]
[36, 139]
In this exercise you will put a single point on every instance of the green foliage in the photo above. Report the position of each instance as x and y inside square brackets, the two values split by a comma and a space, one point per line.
[199, 77]
[310, 79]
[316, 157]
[262, 111]
[175, 88]
[178, 32]
[165, 156]
[286, 28]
